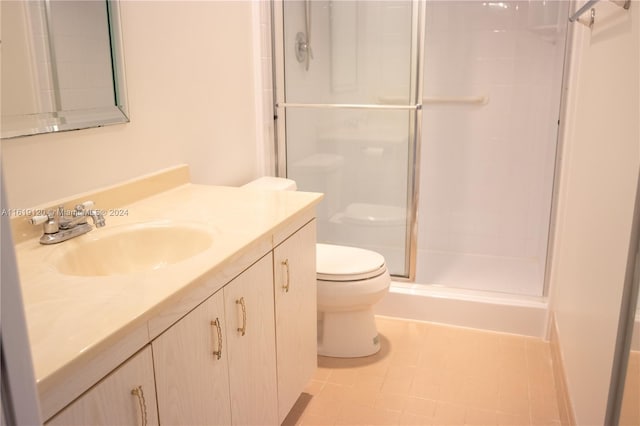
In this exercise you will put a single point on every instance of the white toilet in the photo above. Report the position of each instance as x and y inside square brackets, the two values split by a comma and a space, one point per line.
[350, 281]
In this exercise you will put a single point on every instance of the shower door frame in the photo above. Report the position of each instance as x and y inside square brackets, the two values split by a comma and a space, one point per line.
[414, 106]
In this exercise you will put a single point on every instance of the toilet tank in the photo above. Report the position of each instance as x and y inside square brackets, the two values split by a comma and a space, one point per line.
[321, 173]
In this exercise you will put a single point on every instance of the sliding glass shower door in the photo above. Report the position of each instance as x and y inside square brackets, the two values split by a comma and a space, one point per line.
[348, 117]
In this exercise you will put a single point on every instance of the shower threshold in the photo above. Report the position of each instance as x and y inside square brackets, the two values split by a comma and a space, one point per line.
[506, 313]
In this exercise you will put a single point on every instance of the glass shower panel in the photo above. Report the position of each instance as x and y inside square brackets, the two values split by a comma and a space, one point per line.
[357, 51]
[359, 160]
[487, 168]
[348, 93]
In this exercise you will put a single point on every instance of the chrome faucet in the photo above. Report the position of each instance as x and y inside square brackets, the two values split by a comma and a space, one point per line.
[62, 227]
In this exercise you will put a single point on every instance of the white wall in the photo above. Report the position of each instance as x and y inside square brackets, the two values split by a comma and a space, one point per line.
[191, 94]
[596, 200]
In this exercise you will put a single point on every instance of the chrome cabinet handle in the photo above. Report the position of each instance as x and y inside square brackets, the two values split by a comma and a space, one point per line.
[218, 353]
[143, 404]
[285, 263]
[242, 329]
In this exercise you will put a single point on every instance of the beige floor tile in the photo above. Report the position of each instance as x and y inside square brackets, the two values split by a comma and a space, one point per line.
[322, 374]
[359, 396]
[420, 406]
[313, 420]
[432, 357]
[401, 371]
[433, 374]
[449, 414]
[405, 357]
[343, 376]
[513, 386]
[379, 368]
[411, 419]
[352, 415]
[391, 401]
[323, 406]
[474, 416]
[512, 404]
[545, 410]
[369, 381]
[542, 384]
[423, 387]
[630, 413]
[505, 419]
[314, 387]
[486, 369]
[451, 389]
[397, 385]
[479, 395]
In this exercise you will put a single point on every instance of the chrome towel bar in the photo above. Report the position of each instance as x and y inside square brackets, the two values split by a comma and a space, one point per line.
[473, 100]
[625, 4]
[347, 106]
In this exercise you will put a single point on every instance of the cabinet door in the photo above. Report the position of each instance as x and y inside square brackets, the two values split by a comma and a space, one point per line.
[190, 362]
[125, 397]
[296, 317]
[251, 341]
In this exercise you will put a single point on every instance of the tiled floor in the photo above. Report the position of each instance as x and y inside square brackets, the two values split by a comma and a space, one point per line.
[428, 374]
[630, 414]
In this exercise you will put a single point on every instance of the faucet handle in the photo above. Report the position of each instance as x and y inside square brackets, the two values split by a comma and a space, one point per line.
[50, 225]
[39, 220]
[82, 207]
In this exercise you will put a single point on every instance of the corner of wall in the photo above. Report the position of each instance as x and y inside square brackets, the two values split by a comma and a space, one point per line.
[567, 416]
[263, 96]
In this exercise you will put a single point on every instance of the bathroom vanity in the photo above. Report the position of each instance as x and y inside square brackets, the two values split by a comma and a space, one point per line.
[222, 332]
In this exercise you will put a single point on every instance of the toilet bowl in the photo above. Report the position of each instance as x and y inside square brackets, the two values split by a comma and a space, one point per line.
[350, 281]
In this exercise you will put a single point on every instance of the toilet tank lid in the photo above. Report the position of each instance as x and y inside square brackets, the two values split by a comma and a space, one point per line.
[333, 261]
[272, 183]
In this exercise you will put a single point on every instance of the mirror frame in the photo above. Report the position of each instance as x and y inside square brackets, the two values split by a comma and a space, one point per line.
[16, 126]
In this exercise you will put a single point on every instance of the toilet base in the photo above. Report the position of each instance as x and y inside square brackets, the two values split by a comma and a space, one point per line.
[349, 334]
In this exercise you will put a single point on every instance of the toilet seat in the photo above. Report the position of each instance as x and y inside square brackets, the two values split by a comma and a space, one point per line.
[345, 264]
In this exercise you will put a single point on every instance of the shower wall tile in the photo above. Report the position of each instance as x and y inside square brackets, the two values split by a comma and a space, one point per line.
[487, 170]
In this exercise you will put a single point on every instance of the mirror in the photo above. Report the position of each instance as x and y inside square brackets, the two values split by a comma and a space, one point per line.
[62, 66]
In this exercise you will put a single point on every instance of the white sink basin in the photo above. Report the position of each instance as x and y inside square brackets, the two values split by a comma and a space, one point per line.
[133, 248]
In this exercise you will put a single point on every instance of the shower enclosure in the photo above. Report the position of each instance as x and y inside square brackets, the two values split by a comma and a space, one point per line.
[431, 127]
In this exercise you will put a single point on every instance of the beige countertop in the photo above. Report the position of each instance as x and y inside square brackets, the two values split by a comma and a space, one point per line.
[72, 320]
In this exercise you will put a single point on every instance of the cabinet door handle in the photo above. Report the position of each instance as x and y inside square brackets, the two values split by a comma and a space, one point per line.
[285, 263]
[143, 404]
[242, 329]
[218, 353]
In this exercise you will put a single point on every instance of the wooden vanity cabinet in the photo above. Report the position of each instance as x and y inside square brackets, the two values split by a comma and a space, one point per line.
[191, 364]
[127, 396]
[241, 357]
[217, 365]
[251, 343]
[294, 265]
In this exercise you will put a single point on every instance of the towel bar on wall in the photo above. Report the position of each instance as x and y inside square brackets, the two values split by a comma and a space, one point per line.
[625, 4]
[473, 100]
[346, 106]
